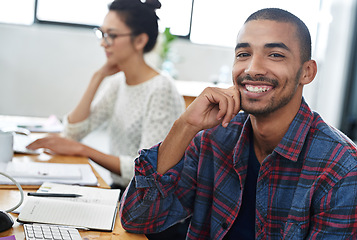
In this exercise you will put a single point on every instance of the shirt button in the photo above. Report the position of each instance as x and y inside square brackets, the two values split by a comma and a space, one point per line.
[224, 225]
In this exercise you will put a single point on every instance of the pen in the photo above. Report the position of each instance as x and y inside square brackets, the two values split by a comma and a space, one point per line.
[67, 195]
[29, 126]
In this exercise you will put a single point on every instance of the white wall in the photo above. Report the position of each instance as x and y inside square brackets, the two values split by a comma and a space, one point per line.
[45, 69]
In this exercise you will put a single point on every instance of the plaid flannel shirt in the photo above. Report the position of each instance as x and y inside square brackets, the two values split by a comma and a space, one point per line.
[306, 188]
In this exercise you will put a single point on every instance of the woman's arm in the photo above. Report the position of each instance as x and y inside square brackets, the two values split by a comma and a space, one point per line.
[82, 110]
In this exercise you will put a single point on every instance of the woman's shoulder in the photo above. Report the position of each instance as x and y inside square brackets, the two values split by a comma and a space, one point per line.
[164, 79]
[159, 82]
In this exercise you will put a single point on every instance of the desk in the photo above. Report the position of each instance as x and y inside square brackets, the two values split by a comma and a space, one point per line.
[10, 194]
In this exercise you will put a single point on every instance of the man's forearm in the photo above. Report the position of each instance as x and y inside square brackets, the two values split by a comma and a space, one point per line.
[174, 146]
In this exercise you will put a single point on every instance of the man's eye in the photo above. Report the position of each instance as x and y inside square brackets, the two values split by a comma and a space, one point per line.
[242, 55]
[276, 55]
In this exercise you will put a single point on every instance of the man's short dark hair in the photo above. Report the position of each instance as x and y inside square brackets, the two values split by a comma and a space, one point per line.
[280, 15]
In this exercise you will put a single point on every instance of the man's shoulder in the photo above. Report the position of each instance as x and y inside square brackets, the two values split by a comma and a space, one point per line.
[332, 146]
[330, 135]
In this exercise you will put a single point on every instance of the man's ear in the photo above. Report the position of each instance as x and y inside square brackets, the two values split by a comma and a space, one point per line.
[308, 73]
[140, 41]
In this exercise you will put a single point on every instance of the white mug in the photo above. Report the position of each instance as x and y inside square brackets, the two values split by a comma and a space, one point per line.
[6, 146]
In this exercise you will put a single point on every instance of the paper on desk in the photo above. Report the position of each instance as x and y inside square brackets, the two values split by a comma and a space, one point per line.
[96, 209]
[34, 124]
[89, 194]
[51, 125]
[70, 173]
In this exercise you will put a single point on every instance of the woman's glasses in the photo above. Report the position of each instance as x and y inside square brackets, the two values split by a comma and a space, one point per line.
[108, 37]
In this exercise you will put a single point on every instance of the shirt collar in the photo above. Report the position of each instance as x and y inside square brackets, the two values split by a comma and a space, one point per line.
[293, 141]
[241, 152]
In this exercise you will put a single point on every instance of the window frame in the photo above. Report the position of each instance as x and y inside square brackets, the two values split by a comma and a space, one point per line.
[36, 20]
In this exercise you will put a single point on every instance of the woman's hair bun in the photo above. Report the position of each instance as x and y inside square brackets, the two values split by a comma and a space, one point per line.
[154, 4]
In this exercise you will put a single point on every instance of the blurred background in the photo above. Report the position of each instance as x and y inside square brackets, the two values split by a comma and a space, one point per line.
[48, 51]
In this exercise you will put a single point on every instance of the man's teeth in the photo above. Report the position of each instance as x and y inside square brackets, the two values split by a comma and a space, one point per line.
[256, 89]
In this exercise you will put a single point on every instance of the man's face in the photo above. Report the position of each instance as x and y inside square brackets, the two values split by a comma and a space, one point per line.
[267, 66]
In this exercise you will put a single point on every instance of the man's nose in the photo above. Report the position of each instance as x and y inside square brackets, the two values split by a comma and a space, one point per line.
[255, 66]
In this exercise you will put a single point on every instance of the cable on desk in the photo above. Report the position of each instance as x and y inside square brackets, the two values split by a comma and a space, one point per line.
[20, 189]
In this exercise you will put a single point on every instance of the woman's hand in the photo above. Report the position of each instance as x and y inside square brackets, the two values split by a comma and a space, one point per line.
[58, 145]
[109, 69]
[82, 110]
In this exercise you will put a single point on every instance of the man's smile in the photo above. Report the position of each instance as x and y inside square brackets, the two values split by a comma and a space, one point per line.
[257, 88]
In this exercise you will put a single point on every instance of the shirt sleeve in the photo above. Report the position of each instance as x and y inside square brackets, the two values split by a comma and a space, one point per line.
[154, 202]
[126, 169]
[101, 110]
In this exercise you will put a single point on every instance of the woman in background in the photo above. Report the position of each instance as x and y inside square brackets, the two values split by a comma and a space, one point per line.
[137, 102]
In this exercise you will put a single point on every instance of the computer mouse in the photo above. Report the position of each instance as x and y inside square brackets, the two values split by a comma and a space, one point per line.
[6, 221]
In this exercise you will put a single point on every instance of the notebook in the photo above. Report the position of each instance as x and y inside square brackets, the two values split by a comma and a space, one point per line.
[96, 209]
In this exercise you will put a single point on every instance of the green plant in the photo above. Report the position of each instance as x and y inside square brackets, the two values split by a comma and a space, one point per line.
[166, 43]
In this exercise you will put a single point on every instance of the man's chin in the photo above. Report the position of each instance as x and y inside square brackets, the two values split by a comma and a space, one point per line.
[263, 111]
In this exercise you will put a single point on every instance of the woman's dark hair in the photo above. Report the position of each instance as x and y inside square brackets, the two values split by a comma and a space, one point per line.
[280, 15]
[140, 17]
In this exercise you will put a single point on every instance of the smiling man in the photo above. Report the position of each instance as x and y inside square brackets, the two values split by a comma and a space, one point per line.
[252, 161]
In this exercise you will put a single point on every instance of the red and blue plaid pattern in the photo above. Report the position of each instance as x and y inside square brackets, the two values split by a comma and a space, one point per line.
[306, 189]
